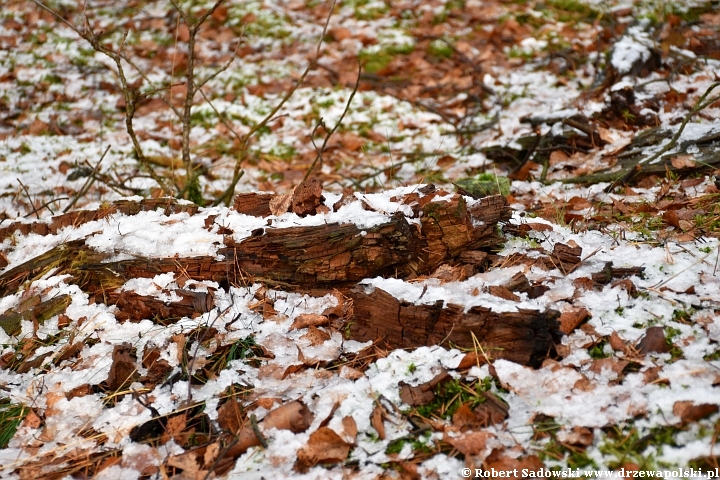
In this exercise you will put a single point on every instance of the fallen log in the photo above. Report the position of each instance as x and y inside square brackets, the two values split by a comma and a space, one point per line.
[437, 228]
[523, 336]
[299, 257]
[347, 253]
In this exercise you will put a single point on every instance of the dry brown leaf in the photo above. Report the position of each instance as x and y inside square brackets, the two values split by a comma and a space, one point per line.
[614, 364]
[231, 416]
[500, 461]
[688, 411]
[376, 420]
[122, 370]
[472, 359]
[339, 310]
[293, 416]
[617, 343]
[316, 336]
[683, 161]
[280, 204]
[339, 33]
[581, 436]
[297, 367]
[351, 141]
[539, 227]
[187, 462]
[175, 428]
[464, 417]
[32, 420]
[309, 319]
[324, 446]
[350, 429]
[653, 342]
[79, 391]
[469, 443]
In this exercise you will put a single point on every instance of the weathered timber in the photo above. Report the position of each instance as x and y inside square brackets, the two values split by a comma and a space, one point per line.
[78, 217]
[33, 310]
[134, 307]
[297, 257]
[11, 280]
[524, 336]
[346, 253]
[255, 204]
[698, 150]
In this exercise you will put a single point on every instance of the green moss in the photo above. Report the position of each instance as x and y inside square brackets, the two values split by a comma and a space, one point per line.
[483, 185]
[440, 49]
[373, 62]
[450, 395]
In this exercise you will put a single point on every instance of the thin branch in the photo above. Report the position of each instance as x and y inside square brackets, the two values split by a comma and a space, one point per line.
[226, 196]
[32, 203]
[130, 94]
[699, 105]
[88, 182]
[318, 157]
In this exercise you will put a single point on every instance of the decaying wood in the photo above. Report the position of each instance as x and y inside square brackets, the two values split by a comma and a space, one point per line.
[564, 257]
[255, 204]
[330, 256]
[33, 310]
[300, 257]
[134, 307]
[346, 253]
[78, 217]
[524, 336]
[608, 273]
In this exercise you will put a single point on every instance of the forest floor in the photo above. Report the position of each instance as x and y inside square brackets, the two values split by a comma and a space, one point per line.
[597, 121]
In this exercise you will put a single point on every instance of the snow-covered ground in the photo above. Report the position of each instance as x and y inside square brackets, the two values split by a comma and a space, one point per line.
[601, 403]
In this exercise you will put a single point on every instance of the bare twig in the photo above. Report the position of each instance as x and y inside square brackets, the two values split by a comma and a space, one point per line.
[88, 182]
[318, 157]
[130, 93]
[32, 203]
[226, 196]
[699, 105]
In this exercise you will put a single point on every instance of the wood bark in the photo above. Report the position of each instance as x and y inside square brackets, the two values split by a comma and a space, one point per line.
[328, 256]
[297, 257]
[523, 336]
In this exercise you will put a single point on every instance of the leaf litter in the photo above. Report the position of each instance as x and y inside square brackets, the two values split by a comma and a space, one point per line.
[257, 381]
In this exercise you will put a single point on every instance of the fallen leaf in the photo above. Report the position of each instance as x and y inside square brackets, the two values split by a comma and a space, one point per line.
[683, 161]
[469, 443]
[376, 420]
[309, 319]
[32, 420]
[653, 342]
[280, 204]
[350, 429]
[581, 436]
[231, 416]
[316, 336]
[323, 446]
[123, 370]
[688, 411]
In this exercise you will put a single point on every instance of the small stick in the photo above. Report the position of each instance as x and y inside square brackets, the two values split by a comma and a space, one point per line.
[32, 204]
[318, 157]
